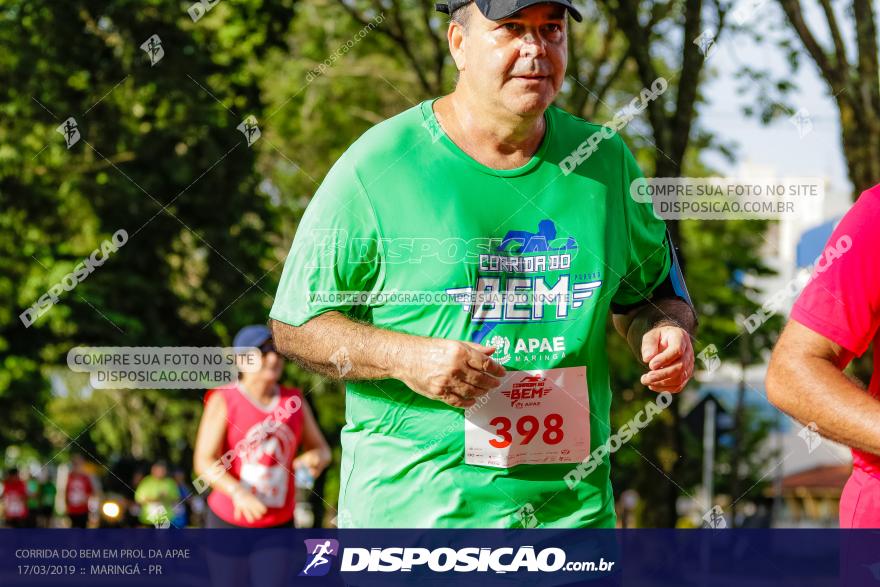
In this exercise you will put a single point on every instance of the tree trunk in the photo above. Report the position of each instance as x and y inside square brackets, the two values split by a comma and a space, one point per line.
[861, 149]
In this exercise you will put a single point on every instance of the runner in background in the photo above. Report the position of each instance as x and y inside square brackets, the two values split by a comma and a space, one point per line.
[181, 512]
[265, 425]
[48, 492]
[15, 509]
[77, 492]
[32, 484]
[157, 494]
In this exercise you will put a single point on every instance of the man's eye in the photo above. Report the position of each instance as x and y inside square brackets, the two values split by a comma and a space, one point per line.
[553, 28]
[511, 26]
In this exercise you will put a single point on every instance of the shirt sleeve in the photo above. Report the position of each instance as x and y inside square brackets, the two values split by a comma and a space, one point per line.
[336, 249]
[143, 492]
[648, 255]
[842, 299]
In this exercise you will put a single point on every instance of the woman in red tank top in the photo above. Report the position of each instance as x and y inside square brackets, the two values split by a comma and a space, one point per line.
[249, 437]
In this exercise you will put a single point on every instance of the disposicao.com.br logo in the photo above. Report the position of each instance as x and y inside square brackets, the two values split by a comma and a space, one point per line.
[442, 560]
[319, 553]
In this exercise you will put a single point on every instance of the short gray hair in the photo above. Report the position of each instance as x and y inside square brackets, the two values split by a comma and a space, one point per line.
[462, 15]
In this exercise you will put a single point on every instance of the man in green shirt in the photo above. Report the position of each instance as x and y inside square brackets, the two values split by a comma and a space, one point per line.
[457, 269]
[157, 495]
[46, 507]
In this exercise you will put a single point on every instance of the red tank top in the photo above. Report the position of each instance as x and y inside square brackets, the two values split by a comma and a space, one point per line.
[15, 499]
[79, 489]
[263, 441]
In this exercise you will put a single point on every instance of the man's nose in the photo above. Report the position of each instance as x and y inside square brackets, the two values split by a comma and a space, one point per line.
[532, 44]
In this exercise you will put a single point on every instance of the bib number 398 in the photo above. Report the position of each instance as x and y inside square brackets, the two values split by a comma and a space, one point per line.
[527, 427]
[534, 417]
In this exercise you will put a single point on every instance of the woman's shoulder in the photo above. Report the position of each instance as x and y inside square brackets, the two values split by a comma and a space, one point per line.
[222, 391]
[289, 390]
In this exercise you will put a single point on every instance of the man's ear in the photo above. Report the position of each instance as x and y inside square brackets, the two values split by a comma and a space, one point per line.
[456, 39]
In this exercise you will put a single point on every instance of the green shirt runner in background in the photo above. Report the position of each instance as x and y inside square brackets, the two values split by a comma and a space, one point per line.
[404, 209]
[157, 498]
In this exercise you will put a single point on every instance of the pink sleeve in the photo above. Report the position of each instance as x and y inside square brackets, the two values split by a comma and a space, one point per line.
[842, 300]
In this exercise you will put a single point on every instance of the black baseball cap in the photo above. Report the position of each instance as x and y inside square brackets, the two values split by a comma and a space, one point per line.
[498, 9]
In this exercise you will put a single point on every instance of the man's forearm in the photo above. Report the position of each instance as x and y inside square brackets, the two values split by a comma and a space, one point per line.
[670, 311]
[814, 390]
[451, 371]
[336, 346]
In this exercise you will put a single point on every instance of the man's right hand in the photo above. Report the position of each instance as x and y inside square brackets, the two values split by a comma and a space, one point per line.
[248, 505]
[450, 371]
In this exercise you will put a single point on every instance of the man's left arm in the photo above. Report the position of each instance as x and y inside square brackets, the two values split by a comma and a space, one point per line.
[652, 308]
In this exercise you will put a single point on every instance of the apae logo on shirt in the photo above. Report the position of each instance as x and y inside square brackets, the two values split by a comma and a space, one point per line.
[527, 350]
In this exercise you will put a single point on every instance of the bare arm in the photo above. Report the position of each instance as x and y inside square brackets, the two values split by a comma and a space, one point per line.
[315, 450]
[207, 464]
[659, 335]
[209, 443]
[804, 381]
[334, 345]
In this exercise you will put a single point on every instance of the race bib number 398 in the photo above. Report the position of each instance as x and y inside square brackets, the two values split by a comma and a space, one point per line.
[533, 417]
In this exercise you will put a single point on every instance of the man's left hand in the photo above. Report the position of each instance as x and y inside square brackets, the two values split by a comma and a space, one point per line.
[669, 354]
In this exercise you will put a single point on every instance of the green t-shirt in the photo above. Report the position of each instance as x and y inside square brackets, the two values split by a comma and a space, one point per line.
[33, 493]
[157, 498]
[406, 210]
[47, 494]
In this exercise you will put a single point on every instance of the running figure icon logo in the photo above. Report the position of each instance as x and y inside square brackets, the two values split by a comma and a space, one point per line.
[319, 552]
[70, 131]
[532, 242]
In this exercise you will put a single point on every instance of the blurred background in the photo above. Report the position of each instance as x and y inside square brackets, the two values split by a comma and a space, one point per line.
[119, 114]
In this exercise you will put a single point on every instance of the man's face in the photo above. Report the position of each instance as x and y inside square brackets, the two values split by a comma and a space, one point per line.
[517, 63]
[273, 364]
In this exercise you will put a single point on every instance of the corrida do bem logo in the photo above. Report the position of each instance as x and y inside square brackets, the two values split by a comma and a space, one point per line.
[514, 284]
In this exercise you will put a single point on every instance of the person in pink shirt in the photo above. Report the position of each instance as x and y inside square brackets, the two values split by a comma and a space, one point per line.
[256, 427]
[835, 319]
